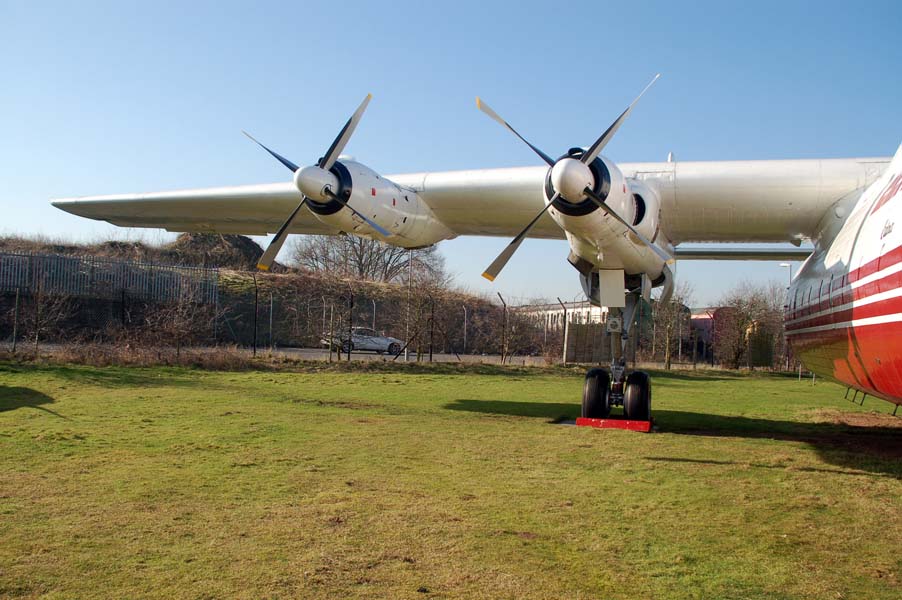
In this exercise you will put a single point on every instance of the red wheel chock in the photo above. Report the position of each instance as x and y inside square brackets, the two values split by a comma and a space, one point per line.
[628, 424]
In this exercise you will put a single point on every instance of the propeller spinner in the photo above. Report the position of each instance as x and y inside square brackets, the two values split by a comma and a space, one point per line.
[317, 183]
[572, 180]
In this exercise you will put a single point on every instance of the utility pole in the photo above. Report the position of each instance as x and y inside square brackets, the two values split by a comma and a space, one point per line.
[374, 313]
[271, 344]
[407, 322]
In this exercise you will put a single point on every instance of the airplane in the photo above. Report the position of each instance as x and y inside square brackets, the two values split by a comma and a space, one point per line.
[624, 224]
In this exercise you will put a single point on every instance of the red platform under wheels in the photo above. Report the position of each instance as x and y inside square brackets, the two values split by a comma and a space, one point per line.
[629, 424]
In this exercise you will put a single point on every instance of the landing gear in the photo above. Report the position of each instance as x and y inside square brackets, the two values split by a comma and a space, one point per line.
[637, 397]
[601, 392]
[603, 389]
[597, 394]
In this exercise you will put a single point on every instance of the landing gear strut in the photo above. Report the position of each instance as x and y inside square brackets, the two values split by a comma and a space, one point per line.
[604, 390]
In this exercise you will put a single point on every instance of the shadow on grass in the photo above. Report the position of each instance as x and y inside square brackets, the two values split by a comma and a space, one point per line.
[733, 463]
[13, 398]
[872, 448]
[120, 376]
[553, 411]
[702, 375]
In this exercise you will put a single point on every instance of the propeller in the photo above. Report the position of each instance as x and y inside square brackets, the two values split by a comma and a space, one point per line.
[316, 182]
[573, 180]
[492, 271]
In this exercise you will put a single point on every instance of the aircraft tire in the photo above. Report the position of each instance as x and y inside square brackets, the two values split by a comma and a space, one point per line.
[347, 346]
[637, 396]
[596, 394]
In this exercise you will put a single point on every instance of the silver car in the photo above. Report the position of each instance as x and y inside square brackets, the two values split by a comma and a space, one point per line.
[364, 338]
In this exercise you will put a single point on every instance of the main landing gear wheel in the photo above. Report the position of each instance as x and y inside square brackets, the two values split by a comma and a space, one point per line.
[394, 348]
[347, 346]
[596, 394]
[637, 396]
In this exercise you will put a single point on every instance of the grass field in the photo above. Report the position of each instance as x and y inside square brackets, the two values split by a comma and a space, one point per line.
[171, 483]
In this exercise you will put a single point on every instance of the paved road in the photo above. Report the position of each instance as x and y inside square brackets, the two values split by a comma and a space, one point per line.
[318, 354]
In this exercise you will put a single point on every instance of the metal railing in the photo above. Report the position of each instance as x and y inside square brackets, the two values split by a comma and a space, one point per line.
[93, 277]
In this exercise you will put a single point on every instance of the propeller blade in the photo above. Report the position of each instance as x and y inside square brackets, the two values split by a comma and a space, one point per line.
[491, 113]
[344, 135]
[277, 156]
[607, 209]
[601, 142]
[492, 271]
[382, 231]
[269, 257]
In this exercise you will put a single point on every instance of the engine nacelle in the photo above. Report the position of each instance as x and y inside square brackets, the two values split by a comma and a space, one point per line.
[401, 211]
[646, 209]
[595, 237]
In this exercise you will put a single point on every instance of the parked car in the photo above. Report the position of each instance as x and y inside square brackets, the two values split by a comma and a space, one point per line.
[363, 338]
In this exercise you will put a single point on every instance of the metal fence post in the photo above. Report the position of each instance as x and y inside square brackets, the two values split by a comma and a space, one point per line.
[37, 320]
[350, 322]
[16, 322]
[465, 329]
[565, 328]
[331, 329]
[256, 298]
[503, 326]
[431, 326]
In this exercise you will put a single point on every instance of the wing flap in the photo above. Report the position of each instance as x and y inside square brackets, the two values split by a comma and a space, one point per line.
[739, 252]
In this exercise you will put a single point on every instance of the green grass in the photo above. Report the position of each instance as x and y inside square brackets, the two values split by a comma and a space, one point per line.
[175, 483]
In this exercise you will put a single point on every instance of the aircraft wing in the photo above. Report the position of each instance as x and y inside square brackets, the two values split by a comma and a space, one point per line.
[724, 201]
[247, 209]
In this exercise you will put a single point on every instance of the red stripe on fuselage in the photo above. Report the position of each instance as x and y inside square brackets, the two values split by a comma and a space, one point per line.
[847, 294]
[889, 192]
[877, 308]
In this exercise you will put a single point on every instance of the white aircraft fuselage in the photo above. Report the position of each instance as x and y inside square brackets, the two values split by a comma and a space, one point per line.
[844, 310]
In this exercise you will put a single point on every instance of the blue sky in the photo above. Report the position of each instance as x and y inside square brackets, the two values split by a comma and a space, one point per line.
[123, 97]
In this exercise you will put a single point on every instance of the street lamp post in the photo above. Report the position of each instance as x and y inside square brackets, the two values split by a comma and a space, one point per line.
[786, 265]
[789, 266]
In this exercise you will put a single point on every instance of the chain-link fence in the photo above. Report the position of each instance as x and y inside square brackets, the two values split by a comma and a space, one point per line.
[61, 299]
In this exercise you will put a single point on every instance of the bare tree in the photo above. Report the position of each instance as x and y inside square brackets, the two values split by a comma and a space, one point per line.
[671, 320]
[749, 320]
[180, 322]
[47, 315]
[365, 259]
